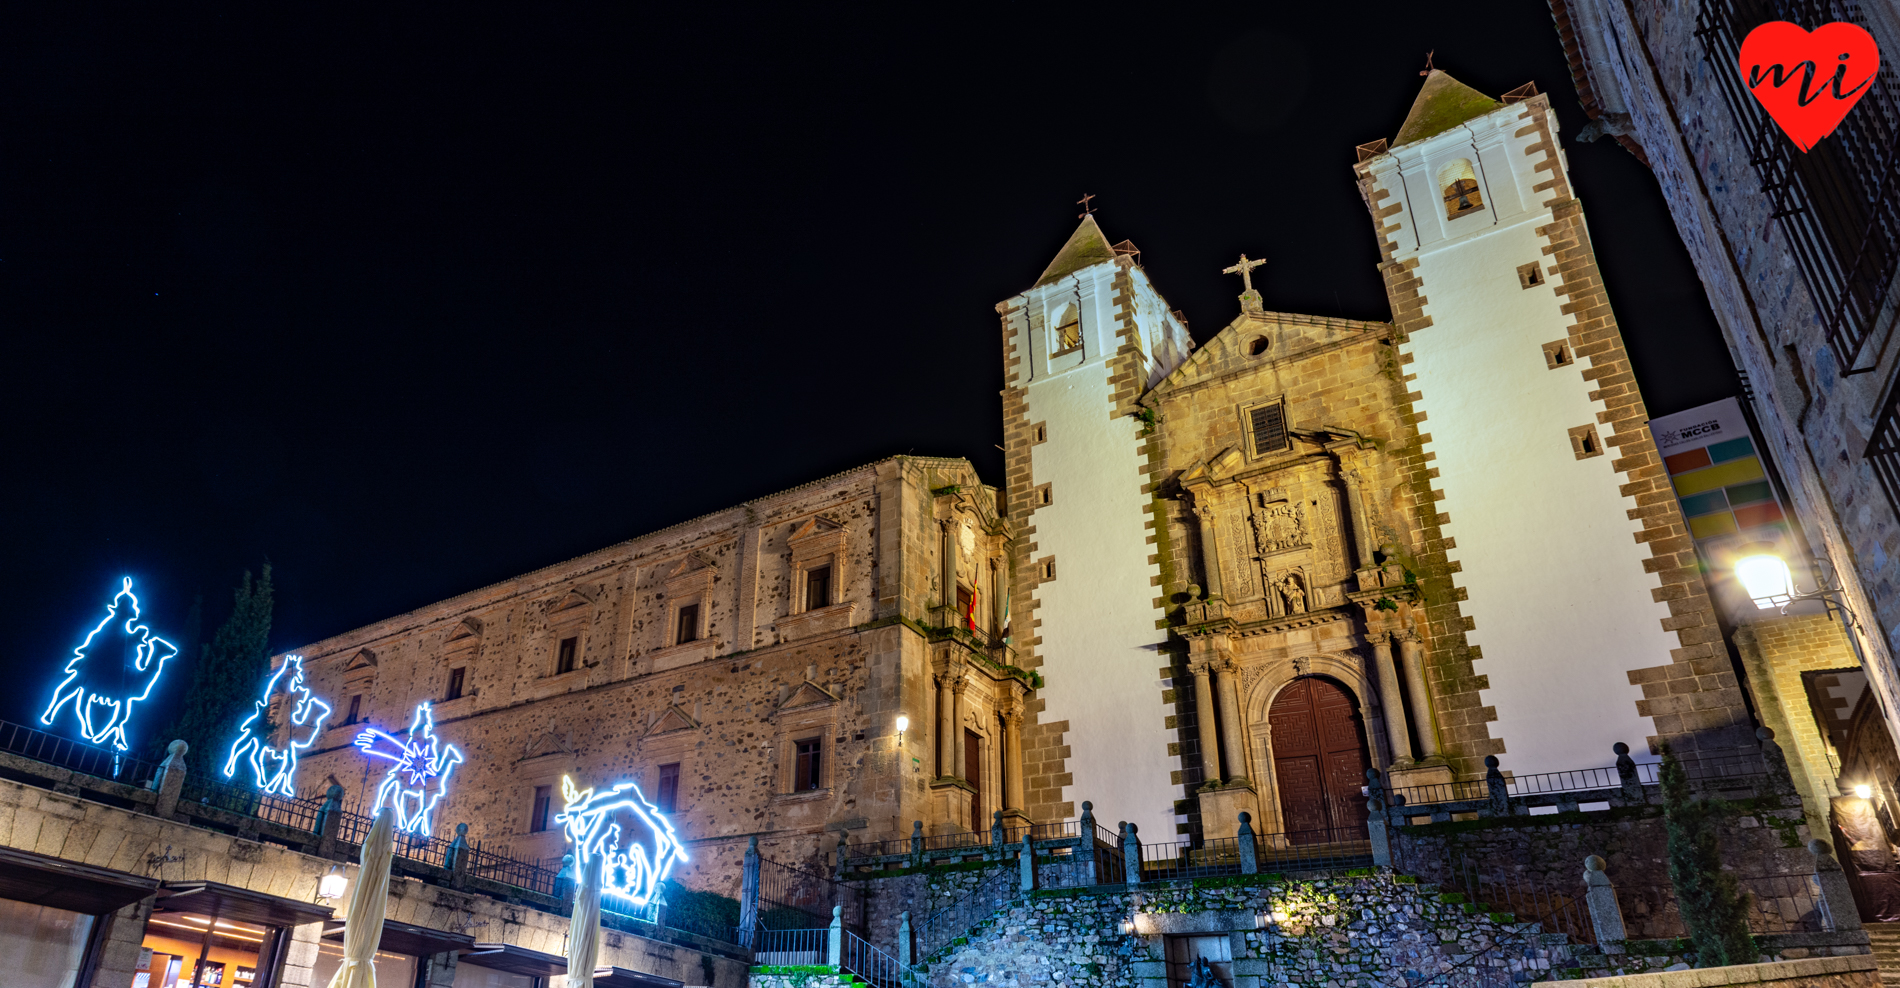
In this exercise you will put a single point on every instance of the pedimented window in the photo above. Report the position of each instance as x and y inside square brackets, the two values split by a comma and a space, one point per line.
[818, 565]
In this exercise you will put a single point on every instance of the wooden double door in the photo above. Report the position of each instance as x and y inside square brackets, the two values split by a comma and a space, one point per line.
[1319, 761]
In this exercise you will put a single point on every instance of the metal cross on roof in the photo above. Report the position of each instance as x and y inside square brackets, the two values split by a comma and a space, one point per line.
[1427, 70]
[1245, 270]
[1084, 203]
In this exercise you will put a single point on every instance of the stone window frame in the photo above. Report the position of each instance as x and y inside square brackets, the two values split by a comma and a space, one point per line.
[1056, 349]
[687, 586]
[814, 544]
[460, 651]
[1247, 428]
[671, 747]
[1438, 169]
[794, 724]
[1559, 354]
[1530, 275]
[1585, 443]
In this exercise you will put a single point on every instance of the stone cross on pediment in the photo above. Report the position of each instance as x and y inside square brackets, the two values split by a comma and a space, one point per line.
[1249, 299]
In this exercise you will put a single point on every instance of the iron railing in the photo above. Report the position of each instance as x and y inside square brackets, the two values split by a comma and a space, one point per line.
[1776, 904]
[945, 925]
[1329, 849]
[1708, 769]
[871, 965]
[793, 899]
[1883, 444]
[290, 811]
[1838, 203]
[1496, 889]
[104, 763]
[788, 947]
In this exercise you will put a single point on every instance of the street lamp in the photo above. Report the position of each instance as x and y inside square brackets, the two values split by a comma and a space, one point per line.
[1864, 791]
[903, 724]
[1766, 579]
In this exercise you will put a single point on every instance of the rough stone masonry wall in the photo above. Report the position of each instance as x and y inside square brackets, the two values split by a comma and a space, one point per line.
[1761, 837]
[1348, 930]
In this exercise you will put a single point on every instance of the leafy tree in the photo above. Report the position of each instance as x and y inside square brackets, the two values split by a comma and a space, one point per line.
[1713, 905]
[225, 679]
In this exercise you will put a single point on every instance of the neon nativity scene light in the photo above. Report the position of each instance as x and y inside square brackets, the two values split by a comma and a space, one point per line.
[426, 762]
[274, 770]
[590, 820]
[103, 682]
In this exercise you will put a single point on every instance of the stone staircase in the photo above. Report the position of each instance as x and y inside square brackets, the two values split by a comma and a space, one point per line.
[1885, 938]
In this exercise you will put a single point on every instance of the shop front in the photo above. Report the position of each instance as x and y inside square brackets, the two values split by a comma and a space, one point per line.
[504, 965]
[53, 916]
[403, 953]
[208, 935]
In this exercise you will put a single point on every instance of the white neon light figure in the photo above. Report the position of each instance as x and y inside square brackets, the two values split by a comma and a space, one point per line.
[274, 770]
[422, 757]
[632, 873]
[101, 709]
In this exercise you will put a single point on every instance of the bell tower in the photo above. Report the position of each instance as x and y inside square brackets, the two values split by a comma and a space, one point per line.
[1079, 346]
[1585, 618]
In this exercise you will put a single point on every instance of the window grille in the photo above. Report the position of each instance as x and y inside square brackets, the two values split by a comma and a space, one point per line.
[1883, 450]
[1269, 428]
[1837, 204]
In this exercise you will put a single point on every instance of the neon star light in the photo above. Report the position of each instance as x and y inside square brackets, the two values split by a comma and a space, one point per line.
[635, 872]
[420, 776]
[274, 770]
[96, 684]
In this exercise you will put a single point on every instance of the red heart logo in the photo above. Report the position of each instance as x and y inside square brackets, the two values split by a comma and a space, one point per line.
[1808, 81]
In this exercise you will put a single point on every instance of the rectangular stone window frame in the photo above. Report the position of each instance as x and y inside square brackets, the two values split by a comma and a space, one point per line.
[819, 723]
[692, 589]
[1038, 433]
[1249, 423]
[672, 748]
[1585, 443]
[1045, 496]
[666, 787]
[567, 654]
[820, 549]
[458, 684]
[541, 809]
[1530, 275]
[1558, 353]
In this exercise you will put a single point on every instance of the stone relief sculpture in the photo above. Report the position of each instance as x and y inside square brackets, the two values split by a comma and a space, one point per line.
[1279, 526]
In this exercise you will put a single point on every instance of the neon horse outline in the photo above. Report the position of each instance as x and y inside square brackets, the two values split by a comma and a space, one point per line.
[259, 753]
[422, 757]
[631, 874]
[153, 652]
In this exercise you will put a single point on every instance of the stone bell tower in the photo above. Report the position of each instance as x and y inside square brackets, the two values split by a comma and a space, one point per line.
[1079, 346]
[1586, 620]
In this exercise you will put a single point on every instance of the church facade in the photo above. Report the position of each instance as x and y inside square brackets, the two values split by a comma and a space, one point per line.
[1217, 579]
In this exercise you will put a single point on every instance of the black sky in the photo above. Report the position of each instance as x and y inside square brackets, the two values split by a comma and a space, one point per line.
[412, 302]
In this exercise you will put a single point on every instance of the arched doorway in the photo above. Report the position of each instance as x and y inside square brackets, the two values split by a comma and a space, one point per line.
[1319, 761]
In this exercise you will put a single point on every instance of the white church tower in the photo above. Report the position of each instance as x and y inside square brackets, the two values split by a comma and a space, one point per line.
[1587, 618]
[1079, 346]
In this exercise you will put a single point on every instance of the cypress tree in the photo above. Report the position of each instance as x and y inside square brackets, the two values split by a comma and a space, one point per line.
[1714, 907]
[231, 668]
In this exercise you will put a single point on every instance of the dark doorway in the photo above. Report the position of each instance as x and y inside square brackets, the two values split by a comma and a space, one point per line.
[973, 769]
[1319, 761]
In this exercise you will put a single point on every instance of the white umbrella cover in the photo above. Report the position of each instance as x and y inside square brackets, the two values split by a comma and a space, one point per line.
[369, 901]
[583, 931]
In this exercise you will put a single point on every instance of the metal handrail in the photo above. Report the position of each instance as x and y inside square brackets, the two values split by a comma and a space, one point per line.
[101, 763]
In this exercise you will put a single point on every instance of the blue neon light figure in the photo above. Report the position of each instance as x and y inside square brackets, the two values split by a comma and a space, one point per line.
[96, 678]
[422, 757]
[633, 873]
[274, 770]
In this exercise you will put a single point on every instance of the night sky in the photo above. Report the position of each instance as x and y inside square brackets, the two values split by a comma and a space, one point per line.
[411, 303]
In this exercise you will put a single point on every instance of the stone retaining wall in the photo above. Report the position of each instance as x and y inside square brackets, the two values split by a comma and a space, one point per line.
[1820, 972]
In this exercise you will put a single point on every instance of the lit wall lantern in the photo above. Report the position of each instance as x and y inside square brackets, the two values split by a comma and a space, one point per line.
[1864, 791]
[903, 724]
[1766, 578]
[331, 886]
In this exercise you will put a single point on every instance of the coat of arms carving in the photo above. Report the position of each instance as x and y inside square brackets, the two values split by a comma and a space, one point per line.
[1279, 526]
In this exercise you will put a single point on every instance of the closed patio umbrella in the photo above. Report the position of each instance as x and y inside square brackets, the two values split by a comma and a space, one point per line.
[583, 931]
[369, 900]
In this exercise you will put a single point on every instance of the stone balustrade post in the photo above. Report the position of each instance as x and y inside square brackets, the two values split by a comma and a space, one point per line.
[1780, 780]
[1606, 917]
[1377, 823]
[1086, 829]
[903, 939]
[564, 879]
[1837, 899]
[834, 953]
[1026, 860]
[329, 820]
[749, 892]
[996, 834]
[456, 858]
[1495, 786]
[1131, 853]
[1626, 774]
[916, 843]
[659, 906]
[1244, 845]
[170, 780]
